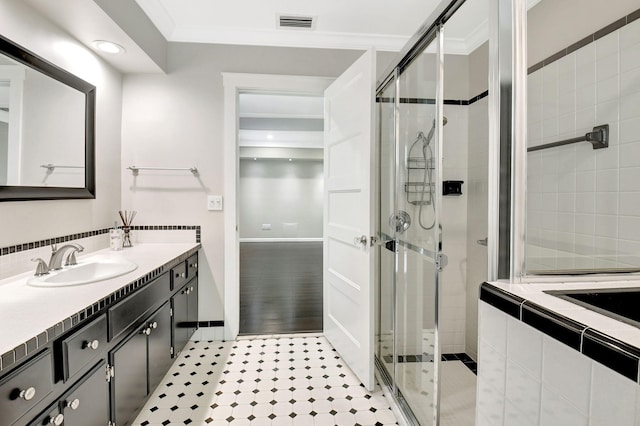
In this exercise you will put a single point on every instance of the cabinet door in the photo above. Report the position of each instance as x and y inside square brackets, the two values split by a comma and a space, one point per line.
[88, 403]
[129, 384]
[192, 307]
[159, 345]
[180, 303]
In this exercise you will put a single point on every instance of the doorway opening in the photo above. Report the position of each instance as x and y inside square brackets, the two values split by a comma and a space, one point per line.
[280, 205]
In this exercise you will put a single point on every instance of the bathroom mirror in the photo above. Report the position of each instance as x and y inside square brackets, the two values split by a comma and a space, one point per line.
[47, 120]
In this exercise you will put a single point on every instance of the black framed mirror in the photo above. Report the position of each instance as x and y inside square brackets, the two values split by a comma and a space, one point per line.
[47, 129]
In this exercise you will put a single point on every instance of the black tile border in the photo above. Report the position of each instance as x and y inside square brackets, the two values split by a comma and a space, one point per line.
[66, 238]
[431, 101]
[462, 356]
[34, 343]
[498, 298]
[557, 326]
[608, 29]
[615, 354]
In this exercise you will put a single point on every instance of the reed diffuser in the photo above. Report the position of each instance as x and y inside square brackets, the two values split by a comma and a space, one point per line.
[127, 218]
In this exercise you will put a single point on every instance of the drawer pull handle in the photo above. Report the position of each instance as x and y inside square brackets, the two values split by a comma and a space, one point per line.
[153, 324]
[55, 420]
[91, 345]
[73, 404]
[28, 394]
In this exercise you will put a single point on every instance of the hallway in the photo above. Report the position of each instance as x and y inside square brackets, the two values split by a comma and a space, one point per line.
[280, 287]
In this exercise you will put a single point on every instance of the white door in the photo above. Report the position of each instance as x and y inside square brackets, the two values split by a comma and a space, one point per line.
[348, 221]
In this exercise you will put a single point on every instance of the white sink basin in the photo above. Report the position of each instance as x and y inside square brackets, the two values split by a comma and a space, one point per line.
[84, 273]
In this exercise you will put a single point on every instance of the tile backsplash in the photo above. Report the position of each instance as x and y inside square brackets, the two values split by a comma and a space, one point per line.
[583, 205]
[16, 259]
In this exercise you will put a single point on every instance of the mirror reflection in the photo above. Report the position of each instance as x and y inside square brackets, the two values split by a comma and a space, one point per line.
[42, 129]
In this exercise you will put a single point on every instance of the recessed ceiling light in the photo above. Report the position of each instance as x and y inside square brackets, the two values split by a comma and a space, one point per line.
[108, 47]
[270, 136]
[290, 159]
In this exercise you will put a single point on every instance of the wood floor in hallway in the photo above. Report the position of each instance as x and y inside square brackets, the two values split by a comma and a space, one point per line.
[280, 287]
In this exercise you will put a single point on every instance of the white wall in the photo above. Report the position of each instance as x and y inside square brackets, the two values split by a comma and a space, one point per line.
[583, 205]
[176, 120]
[287, 195]
[26, 221]
[477, 188]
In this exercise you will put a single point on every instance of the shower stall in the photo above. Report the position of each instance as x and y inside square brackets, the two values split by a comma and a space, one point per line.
[410, 145]
[425, 289]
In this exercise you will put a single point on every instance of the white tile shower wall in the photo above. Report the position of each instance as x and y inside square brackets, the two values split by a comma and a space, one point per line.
[583, 206]
[20, 262]
[527, 378]
[477, 189]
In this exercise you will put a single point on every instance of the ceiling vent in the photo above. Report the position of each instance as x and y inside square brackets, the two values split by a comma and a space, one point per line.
[300, 22]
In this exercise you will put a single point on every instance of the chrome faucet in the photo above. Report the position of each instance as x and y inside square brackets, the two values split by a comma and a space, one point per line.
[58, 254]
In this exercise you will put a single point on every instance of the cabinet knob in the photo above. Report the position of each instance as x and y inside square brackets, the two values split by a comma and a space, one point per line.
[191, 289]
[146, 331]
[91, 345]
[55, 420]
[193, 265]
[73, 404]
[181, 275]
[153, 324]
[187, 291]
[28, 393]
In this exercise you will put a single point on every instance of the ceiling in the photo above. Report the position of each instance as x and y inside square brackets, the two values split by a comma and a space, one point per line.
[352, 24]
[144, 27]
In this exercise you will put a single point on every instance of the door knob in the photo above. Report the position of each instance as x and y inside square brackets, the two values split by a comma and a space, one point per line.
[360, 241]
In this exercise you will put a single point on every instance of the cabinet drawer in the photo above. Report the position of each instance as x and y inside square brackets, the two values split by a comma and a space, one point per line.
[84, 346]
[192, 266]
[127, 314]
[24, 388]
[178, 275]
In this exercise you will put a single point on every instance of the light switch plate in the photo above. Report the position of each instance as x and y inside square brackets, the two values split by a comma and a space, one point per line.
[214, 202]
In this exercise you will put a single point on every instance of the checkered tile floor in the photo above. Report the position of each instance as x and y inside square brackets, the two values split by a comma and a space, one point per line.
[264, 381]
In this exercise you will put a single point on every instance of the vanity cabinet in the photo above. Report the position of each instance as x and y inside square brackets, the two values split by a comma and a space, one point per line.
[25, 387]
[139, 363]
[185, 315]
[159, 345]
[103, 367]
[85, 403]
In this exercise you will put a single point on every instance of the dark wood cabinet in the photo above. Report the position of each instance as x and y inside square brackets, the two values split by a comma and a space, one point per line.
[139, 363]
[21, 390]
[129, 382]
[185, 315]
[101, 368]
[85, 403]
[159, 341]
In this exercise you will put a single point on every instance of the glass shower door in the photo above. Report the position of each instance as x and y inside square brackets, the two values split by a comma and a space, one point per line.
[418, 192]
[410, 196]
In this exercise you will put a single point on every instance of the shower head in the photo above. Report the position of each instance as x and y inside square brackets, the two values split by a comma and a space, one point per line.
[427, 140]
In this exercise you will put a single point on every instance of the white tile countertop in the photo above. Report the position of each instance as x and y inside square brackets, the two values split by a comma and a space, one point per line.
[535, 292]
[27, 311]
